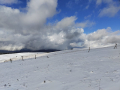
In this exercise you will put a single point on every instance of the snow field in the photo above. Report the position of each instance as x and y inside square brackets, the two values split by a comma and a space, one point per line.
[18, 56]
[65, 70]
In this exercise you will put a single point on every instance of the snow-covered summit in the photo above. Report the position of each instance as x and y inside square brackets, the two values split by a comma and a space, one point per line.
[75, 69]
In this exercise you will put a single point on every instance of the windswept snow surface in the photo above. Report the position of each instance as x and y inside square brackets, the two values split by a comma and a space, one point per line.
[18, 56]
[76, 69]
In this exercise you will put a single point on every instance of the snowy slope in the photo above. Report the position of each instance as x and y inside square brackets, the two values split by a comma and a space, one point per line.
[64, 70]
[18, 56]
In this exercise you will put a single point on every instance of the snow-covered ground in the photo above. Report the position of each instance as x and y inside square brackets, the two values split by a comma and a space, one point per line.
[20, 56]
[75, 69]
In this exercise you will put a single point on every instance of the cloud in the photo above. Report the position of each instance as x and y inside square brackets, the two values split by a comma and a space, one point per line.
[99, 34]
[8, 1]
[86, 23]
[25, 25]
[19, 30]
[28, 30]
[69, 4]
[87, 7]
[98, 2]
[86, 17]
[90, 1]
[72, 3]
[37, 13]
[67, 22]
[109, 11]
[103, 37]
[109, 8]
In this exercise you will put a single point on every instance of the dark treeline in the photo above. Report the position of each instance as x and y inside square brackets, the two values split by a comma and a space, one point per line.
[26, 50]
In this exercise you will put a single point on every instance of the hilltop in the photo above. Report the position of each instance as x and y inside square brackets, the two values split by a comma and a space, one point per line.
[75, 69]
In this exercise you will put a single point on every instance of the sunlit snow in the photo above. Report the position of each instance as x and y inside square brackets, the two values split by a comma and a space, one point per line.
[75, 69]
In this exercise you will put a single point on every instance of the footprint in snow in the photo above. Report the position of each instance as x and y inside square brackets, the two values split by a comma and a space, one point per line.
[44, 82]
[91, 72]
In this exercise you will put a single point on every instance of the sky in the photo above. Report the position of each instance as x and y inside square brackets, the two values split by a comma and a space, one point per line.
[58, 24]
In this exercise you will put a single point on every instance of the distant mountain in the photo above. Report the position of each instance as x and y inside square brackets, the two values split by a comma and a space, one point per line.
[27, 50]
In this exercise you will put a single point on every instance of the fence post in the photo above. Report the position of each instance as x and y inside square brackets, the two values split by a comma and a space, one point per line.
[22, 58]
[35, 56]
[89, 49]
[11, 60]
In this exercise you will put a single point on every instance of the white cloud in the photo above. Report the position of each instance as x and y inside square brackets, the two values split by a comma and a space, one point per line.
[90, 1]
[26, 24]
[69, 4]
[67, 22]
[86, 23]
[99, 34]
[86, 17]
[109, 11]
[39, 11]
[87, 7]
[98, 2]
[103, 37]
[8, 1]
[28, 30]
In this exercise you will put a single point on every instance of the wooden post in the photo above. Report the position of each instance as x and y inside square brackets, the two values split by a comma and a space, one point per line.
[115, 46]
[22, 58]
[44, 81]
[11, 60]
[89, 49]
